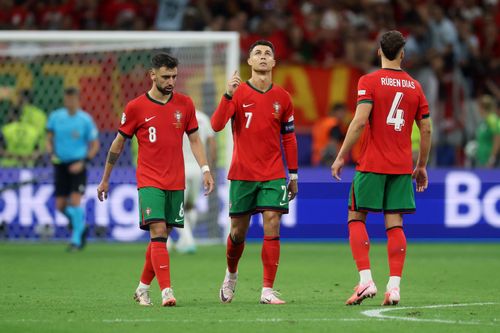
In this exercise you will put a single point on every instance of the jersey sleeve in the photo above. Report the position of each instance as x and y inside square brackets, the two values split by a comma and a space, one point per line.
[287, 120]
[191, 122]
[423, 106]
[128, 124]
[365, 93]
[225, 110]
[289, 139]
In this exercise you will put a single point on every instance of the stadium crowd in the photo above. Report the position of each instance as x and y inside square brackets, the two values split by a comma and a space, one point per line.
[453, 46]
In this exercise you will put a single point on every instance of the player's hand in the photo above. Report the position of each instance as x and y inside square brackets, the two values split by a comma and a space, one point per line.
[208, 182]
[102, 190]
[420, 176]
[293, 189]
[337, 166]
[233, 83]
[76, 167]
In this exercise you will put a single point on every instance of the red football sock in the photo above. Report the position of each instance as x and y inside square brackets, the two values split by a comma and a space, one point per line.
[148, 272]
[360, 244]
[396, 250]
[233, 254]
[161, 261]
[270, 259]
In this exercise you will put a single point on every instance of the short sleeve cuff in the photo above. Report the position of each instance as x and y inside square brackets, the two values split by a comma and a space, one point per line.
[125, 135]
[365, 101]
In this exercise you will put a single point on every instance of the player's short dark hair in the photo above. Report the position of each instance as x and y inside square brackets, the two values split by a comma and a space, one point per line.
[163, 60]
[261, 42]
[391, 43]
[71, 91]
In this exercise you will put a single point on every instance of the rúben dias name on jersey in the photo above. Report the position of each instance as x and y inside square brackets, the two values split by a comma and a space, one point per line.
[390, 81]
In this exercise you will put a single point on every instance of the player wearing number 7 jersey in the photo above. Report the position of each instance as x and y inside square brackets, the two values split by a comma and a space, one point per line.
[389, 101]
[262, 119]
[159, 119]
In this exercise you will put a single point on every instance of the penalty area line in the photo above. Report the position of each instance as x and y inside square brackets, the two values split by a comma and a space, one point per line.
[381, 314]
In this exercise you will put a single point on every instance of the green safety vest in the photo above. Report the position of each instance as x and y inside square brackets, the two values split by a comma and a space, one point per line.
[37, 118]
[485, 135]
[21, 139]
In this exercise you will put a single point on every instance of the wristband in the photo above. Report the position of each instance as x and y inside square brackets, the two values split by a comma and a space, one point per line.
[293, 176]
[205, 168]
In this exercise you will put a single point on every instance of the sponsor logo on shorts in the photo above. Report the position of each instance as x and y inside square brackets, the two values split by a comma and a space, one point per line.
[148, 211]
[179, 220]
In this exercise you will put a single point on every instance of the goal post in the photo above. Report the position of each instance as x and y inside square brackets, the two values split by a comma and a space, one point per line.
[109, 68]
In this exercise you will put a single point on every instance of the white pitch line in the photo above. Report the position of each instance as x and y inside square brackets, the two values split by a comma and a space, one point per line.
[188, 321]
[379, 314]
[256, 320]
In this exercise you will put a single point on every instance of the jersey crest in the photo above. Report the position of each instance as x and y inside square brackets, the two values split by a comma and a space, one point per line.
[277, 108]
[178, 119]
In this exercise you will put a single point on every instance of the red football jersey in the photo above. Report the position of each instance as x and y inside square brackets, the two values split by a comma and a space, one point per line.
[397, 101]
[159, 129]
[258, 120]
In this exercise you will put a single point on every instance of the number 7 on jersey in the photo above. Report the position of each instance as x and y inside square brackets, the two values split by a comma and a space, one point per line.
[248, 115]
[395, 116]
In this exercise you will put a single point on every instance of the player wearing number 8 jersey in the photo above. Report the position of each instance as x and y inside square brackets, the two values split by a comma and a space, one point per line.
[159, 119]
[262, 119]
[389, 101]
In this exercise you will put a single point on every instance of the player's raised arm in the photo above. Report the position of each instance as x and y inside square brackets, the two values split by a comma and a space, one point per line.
[113, 155]
[226, 107]
[353, 133]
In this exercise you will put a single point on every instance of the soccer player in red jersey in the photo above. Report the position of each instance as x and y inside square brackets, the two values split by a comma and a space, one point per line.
[262, 119]
[159, 119]
[389, 101]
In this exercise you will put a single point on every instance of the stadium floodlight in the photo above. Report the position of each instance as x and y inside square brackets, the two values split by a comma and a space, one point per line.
[110, 68]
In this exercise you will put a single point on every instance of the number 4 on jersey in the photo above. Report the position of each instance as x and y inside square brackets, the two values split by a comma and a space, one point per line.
[395, 116]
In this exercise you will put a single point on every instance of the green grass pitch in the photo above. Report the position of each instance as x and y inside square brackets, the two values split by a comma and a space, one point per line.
[445, 288]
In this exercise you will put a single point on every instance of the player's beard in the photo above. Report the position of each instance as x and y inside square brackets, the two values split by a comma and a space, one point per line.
[262, 70]
[165, 91]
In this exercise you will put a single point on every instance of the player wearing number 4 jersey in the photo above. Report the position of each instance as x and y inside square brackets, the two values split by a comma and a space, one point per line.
[262, 118]
[389, 101]
[159, 120]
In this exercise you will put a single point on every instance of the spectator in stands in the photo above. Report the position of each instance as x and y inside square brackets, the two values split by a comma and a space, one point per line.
[328, 134]
[421, 61]
[170, 14]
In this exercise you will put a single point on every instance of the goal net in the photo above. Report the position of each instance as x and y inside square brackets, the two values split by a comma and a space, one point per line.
[109, 69]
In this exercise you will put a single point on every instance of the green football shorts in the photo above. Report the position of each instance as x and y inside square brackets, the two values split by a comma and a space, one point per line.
[375, 192]
[161, 205]
[251, 197]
